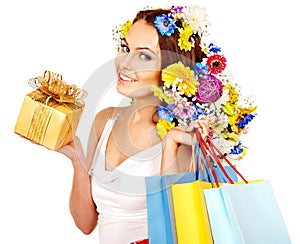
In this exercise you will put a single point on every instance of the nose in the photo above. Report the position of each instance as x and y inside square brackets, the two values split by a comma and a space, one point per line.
[125, 61]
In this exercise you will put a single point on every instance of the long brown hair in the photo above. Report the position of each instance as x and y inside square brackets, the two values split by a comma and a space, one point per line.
[171, 52]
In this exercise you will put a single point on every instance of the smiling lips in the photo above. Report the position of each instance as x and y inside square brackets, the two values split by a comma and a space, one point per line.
[123, 78]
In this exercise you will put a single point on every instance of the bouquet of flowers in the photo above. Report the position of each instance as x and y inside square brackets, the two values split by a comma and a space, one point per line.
[207, 90]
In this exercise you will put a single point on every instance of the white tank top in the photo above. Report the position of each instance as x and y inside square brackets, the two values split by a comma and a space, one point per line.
[120, 194]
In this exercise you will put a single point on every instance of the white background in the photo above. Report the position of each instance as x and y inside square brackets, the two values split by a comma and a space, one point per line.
[259, 38]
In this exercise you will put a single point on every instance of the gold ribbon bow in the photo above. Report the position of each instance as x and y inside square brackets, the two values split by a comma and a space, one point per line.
[53, 85]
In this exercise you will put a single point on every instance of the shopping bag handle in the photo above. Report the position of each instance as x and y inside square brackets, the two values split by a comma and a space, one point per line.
[227, 161]
[206, 160]
[213, 150]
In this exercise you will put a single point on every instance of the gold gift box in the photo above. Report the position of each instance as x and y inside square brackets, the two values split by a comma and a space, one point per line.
[48, 121]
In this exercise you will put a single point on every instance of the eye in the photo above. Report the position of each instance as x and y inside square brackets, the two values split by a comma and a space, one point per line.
[124, 48]
[145, 56]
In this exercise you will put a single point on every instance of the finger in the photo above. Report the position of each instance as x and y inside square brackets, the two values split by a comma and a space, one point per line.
[203, 129]
[204, 122]
[203, 125]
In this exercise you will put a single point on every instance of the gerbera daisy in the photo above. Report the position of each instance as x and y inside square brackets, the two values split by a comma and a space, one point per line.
[216, 63]
[181, 77]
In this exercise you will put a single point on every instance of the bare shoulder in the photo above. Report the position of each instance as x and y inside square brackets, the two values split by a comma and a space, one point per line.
[101, 119]
[104, 114]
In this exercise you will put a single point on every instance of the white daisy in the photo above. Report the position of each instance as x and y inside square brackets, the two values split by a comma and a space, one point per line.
[196, 16]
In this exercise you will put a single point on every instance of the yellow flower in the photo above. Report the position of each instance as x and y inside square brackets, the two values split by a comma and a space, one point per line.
[243, 152]
[233, 94]
[184, 38]
[185, 44]
[163, 127]
[229, 108]
[125, 28]
[232, 136]
[232, 120]
[158, 92]
[180, 76]
[247, 110]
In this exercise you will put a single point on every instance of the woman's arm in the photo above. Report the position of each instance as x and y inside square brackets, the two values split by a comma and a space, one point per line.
[82, 206]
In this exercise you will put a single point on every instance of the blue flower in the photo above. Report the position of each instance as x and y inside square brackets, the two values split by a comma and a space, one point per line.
[165, 113]
[213, 48]
[197, 112]
[245, 121]
[200, 70]
[171, 106]
[165, 25]
[237, 149]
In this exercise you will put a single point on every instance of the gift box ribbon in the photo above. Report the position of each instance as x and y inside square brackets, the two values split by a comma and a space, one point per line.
[53, 85]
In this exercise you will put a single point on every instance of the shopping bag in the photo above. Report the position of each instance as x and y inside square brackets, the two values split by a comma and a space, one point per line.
[160, 209]
[160, 213]
[242, 212]
[189, 208]
[191, 218]
[160, 228]
[245, 213]
[160, 206]
[189, 177]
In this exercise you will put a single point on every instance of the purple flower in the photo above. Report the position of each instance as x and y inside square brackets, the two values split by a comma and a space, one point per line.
[177, 9]
[165, 25]
[209, 90]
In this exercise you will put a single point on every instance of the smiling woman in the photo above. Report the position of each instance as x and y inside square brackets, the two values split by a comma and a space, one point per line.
[250, 34]
[124, 146]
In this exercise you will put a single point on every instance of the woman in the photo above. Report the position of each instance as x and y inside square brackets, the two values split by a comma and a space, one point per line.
[124, 146]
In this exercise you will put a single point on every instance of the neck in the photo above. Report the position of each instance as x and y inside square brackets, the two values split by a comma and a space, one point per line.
[143, 109]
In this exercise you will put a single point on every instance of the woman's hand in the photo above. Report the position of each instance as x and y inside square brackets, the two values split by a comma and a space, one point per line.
[73, 151]
[181, 136]
[184, 134]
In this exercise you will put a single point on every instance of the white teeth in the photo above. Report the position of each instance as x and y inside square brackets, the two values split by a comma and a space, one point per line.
[126, 78]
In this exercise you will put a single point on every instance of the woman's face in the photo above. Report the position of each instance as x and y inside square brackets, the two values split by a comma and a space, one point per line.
[138, 62]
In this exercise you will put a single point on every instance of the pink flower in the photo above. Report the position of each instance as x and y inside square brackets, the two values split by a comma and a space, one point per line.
[209, 90]
[183, 111]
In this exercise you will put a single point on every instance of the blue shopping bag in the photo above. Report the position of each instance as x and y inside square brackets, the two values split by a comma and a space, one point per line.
[158, 212]
[161, 227]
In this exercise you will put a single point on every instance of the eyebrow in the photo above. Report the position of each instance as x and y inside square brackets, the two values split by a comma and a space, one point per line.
[147, 48]
[140, 48]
